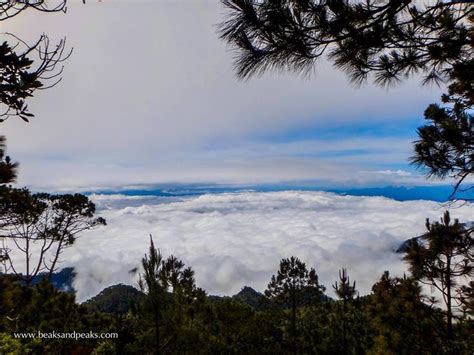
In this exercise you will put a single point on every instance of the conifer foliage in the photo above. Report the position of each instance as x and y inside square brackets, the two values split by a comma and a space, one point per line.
[444, 259]
[391, 38]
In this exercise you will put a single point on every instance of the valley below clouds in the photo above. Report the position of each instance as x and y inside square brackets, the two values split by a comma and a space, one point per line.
[237, 239]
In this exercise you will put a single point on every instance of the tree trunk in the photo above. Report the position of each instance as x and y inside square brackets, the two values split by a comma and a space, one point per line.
[293, 321]
[28, 278]
[448, 296]
[55, 260]
[344, 326]
[157, 330]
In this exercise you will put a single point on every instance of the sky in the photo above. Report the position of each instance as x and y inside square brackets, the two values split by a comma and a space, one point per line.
[149, 96]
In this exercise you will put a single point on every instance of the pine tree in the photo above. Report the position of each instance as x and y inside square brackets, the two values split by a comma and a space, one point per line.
[171, 303]
[445, 147]
[7, 167]
[39, 227]
[443, 259]
[293, 287]
[345, 292]
[152, 285]
[391, 39]
[401, 321]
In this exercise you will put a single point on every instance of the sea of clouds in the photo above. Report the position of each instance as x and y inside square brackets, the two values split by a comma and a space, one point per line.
[237, 239]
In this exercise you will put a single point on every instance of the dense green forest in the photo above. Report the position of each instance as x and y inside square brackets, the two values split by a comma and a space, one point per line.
[429, 310]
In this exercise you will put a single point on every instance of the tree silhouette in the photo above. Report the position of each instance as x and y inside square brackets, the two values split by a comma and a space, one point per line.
[12, 8]
[401, 321]
[445, 147]
[25, 68]
[21, 76]
[170, 303]
[345, 291]
[392, 39]
[153, 286]
[293, 287]
[8, 169]
[26, 220]
[443, 259]
[466, 297]
[36, 228]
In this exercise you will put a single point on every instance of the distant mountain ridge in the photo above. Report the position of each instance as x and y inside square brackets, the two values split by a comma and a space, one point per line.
[407, 193]
[438, 193]
[118, 299]
[247, 295]
[62, 280]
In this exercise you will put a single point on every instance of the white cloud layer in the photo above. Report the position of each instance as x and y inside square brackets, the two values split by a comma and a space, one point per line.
[237, 239]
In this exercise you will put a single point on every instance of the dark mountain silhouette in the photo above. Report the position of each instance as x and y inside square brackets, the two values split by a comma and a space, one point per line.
[249, 296]
[402, 248]
[115, 299]
[62, 280]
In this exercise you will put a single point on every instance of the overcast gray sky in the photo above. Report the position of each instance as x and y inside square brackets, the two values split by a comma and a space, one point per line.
[149, 96]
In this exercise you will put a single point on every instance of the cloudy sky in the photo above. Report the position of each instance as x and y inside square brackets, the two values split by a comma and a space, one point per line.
[149, 96]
